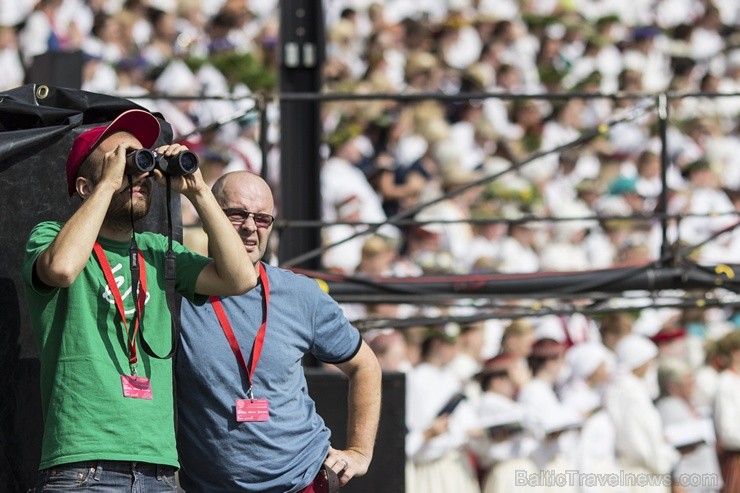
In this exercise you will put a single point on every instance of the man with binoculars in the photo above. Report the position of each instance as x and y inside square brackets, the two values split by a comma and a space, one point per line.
[96, 294]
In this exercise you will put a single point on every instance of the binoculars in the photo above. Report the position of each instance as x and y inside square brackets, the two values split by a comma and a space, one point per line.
[145, 160]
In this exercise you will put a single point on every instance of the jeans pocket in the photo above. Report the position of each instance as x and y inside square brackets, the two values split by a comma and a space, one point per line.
[168, 480]
[65, 477]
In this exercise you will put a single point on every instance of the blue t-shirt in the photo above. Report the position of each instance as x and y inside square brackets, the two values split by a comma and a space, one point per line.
[219, 454]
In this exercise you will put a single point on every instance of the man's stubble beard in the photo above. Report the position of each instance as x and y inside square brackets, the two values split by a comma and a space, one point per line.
[119, 211]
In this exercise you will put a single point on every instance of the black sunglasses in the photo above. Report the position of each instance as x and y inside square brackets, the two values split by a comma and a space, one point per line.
[238, 216]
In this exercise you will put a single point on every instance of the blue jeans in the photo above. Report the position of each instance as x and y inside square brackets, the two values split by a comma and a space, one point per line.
[107, 476]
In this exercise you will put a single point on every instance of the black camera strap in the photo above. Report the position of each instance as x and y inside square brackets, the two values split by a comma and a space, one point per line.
[170, 276]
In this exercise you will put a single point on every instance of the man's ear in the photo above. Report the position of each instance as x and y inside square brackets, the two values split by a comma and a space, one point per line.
[84, 187]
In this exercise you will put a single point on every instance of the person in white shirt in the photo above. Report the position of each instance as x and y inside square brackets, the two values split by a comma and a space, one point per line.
[347, 196]
[691, 433]
[506, 442]
[706, 198]
[546, 362]
[518, 249]
[591, 368]
[12, 74]
[641, 447]
[437, 438]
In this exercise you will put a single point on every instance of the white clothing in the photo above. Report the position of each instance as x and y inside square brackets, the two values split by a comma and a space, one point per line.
[33, 39]
[483, 248]
[14, 12]
[500, 9]
[496, 112]
[703, 460]
[496, 409]
[640, 442]
[456, 236]
[465, 366]
[247, 156]
[540, 401]
[79, 12]
[564, 257]
[452, 472]
[108, 52]
[518, 258]
[103, 80]
[465, 50]
[342, 181]
[707, 202]
[596, 450]
[345, 256]
[707, 381]
[428, 389]
[727, 410]
[12, 74]
[502, 477]
[438, 465]
[670, 13]
[705, 43]
[471, 154]
[601, 251]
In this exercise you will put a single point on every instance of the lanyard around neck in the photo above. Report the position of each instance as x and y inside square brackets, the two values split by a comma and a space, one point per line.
[260, 337]
[116, 293]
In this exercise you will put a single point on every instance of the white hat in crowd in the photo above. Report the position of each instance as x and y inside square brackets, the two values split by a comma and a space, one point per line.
[634, 350]
[561, 418]
[583, 359]
[501, 415]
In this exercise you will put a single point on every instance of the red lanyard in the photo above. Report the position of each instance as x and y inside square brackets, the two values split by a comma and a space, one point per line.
[259, 339]
[141, 299]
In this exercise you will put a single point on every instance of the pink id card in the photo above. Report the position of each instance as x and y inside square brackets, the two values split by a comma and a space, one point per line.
[252, 410]
[136, 387]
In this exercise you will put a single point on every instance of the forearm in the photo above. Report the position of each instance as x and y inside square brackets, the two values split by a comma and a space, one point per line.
[364, 405]
[61, 263]
[234, 271]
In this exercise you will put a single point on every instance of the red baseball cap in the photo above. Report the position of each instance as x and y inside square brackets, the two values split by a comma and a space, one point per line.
[141, 124]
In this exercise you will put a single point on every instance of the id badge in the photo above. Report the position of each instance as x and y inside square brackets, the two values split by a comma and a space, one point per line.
[252, 410]
[136, 387]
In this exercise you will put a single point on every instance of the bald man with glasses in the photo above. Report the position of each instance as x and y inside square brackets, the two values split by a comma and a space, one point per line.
[246, 421]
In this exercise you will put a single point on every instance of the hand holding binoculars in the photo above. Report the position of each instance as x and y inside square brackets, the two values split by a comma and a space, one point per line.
[144, 161]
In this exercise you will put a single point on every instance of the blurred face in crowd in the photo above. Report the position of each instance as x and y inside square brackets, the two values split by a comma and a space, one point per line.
[600, 376]
[349, 151]
[649, 166]
[391, 351]
[571, 113]
[7, 37]
[503, 385]
[447, 351]
[524, 234]
[684, 387]
[519, 344]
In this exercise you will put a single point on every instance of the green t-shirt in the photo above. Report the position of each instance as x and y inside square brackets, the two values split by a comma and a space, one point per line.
[83, 353]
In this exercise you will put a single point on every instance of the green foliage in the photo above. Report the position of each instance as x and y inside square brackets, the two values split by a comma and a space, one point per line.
[239, 68]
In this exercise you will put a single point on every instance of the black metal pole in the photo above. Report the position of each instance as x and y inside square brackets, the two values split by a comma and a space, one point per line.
[662, 206]
[302, 54]
[264, 145]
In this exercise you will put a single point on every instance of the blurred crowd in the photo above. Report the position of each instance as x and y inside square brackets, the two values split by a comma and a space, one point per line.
[534, 388]
[631, 401]
[570, 404]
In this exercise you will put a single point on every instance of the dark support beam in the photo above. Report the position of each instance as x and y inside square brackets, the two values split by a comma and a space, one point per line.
[301, 60]
[662, 207]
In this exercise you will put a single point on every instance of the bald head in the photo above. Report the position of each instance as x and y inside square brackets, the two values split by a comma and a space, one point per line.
[233, 188]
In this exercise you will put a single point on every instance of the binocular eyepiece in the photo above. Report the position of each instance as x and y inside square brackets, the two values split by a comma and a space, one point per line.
[145, 160]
